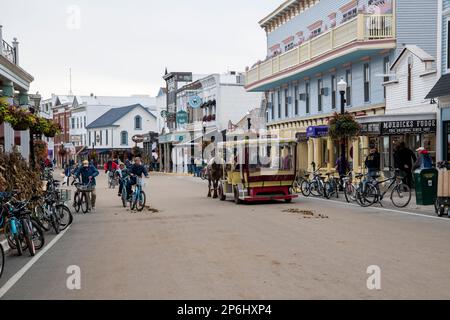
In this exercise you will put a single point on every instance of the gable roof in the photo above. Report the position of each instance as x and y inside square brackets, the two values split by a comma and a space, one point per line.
[415, 50]
[112, 116]
[441, 88]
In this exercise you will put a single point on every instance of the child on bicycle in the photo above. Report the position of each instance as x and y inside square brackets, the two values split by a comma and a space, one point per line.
[123, 173]
[136, 170]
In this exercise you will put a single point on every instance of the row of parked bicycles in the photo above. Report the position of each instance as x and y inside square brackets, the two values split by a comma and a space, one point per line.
[361, 188]
[25, 222]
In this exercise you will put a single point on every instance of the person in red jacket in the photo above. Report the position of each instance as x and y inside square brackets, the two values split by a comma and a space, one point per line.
[111, 166]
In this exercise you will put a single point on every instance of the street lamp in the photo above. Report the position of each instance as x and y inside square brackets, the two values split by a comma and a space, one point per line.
[203, 137]
[342, 88]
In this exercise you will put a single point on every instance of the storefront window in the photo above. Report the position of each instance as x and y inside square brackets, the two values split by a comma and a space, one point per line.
[325, 155]
[385, 151]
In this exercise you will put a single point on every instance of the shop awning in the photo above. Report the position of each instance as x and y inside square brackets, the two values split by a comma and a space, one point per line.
[441, 88]
[317, 131]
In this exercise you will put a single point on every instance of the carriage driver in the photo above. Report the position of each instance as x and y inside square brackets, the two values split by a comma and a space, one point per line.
[136, 170]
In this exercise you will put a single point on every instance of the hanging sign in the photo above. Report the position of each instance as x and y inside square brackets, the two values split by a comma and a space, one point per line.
[182, 117]
[195, 102]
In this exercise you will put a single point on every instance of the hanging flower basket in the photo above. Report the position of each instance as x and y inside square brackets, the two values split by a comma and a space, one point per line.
[343, 126]
[20, 119]
[52, 130]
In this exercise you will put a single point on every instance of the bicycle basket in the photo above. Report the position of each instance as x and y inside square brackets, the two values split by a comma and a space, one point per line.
[140, 182]
[87, 188]
[65, 195]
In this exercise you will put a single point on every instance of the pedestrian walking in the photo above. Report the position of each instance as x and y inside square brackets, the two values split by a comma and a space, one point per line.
[403, 160]
[423, 161]
[373, 162]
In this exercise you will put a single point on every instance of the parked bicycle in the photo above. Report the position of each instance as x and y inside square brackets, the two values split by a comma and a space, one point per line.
[370, 192]
[22, 232]
[52, 214]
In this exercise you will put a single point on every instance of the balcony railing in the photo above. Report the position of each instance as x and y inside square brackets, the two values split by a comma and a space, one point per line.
[8, 51]
[361, 28]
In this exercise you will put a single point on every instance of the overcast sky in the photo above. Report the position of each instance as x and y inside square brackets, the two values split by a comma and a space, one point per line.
[118, 47]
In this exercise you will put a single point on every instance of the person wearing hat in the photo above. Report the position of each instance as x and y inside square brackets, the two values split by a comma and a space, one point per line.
[87, 174]
[424, 160]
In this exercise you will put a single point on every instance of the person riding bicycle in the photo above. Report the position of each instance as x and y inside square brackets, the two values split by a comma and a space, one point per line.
[111, 166]
[123, 173]
[87, 173]
[135, 171]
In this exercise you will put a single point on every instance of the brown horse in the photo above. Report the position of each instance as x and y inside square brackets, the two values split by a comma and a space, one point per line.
[214, 173]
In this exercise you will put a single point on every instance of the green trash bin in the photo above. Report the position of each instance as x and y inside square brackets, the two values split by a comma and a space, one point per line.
[426, 186]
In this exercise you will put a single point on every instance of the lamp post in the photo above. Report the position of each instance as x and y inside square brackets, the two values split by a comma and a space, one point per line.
[203, 138]
[342, 88]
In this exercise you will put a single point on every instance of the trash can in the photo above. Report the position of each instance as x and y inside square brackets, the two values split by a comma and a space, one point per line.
[426, 183]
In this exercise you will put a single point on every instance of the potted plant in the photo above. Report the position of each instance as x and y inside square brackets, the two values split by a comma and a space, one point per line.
[3, 110]
[52, 129]
[40, 150]
[20, 119]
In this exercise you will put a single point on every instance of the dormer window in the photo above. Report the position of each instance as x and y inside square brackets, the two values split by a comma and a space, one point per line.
[349, 14]
[288, 43]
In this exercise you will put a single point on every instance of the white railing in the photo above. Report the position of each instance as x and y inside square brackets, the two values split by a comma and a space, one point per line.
[361, 28]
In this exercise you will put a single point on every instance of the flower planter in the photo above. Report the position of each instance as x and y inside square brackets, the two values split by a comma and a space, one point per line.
[50, 134]
[20, 127]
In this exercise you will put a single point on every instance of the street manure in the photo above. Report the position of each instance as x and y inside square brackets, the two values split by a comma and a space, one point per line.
[307, 214]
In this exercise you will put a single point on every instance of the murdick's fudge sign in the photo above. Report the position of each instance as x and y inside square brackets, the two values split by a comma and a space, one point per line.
[408, 127]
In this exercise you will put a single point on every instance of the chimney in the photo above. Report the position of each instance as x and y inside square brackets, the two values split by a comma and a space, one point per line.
[16, 51]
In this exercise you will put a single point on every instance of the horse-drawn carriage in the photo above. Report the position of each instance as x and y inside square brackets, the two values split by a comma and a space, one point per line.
[257, 170]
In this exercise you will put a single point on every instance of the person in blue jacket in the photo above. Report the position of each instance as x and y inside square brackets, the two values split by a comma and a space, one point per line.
[87, 174]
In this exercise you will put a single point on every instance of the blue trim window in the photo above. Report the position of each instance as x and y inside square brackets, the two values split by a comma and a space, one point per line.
[307, 97]
[124, 138]
[138, 123]
[296, 100]
[272, 109]
[286, 103]
[366, 82]
[319, 94]
[348, 79]
[279, 104]
[333, 91]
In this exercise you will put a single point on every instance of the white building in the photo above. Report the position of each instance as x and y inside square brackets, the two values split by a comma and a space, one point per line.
[113, 131]
[223, 98]
[46, 111]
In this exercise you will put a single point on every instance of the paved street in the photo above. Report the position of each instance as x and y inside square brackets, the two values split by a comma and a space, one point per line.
[200, 248]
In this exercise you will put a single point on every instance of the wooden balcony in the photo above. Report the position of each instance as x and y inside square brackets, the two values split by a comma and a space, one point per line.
[366, 30]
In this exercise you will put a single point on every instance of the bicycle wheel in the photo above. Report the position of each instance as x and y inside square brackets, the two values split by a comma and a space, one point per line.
[124, 197]
[38, 235]
[84, 203]
[328, 190]
[305, 188]
[65, 216]
[41, 219]
[140, 203]
[18, 244]
[401, 195]
[77, 202]
[28, 235]
[2, 262]
[368, 196]
[296, 187]
[349, 192]
[315, 189]
[55, 222]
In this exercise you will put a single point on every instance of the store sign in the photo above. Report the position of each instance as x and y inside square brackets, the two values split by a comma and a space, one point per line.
[182, 117]
[371, 128]
[408, 127]
[301, 137]
[195, 102]
[139, 138]
[317, 131]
